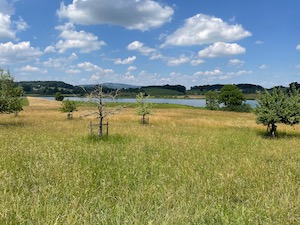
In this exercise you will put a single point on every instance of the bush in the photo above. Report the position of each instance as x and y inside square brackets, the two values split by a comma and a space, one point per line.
[238, 108]
[58, 96]
[69, 107]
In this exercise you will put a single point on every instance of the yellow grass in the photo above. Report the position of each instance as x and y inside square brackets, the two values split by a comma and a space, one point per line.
[188, 166]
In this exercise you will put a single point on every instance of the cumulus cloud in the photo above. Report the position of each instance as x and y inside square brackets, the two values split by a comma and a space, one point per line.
[73, 71]
[215, 72]
[236, 74]
[129, 60]
[298, 47]
[98, 71]
[236, 62]
[60, 63]
[31, 69]
[144, 50]
[9, 27]
[131, 14]
[140, 47]
[244, 72]
[50, 49]
[204, 29]
[177, 61]
[5, 23]
[196, 62]
[72, 39]
[131, 68]
[20, 52]
[221, 49]
[88, 66]
[28, 68]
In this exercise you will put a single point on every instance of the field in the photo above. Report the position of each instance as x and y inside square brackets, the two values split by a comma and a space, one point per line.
[188, 166]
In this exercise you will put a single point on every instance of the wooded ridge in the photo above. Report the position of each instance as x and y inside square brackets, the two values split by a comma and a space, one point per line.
[52, 87]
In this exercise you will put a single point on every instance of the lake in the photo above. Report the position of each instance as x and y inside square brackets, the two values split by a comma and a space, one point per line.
[189, 102]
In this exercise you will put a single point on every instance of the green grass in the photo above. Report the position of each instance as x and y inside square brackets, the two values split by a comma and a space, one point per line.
[187, 166]
[134, 105]
[25, 102]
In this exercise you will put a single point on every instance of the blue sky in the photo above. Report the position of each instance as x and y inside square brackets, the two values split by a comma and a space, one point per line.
[152, 42]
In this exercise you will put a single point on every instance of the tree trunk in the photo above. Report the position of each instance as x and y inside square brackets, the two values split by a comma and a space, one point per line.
[69, 116]
[273, 130]
[100, 131]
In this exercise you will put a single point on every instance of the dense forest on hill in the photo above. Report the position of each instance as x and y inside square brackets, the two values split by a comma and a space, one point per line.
[245, 88]
[52, 87]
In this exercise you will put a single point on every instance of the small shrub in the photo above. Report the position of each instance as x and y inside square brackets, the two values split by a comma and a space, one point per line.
[58, 96]
[69, 107]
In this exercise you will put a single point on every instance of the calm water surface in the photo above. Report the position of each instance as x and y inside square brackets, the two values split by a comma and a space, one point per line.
[189, 102]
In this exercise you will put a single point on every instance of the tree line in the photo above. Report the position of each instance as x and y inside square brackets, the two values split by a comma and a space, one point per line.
[52, 87]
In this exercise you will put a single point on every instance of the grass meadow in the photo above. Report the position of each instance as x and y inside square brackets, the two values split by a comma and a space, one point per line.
[188, 166]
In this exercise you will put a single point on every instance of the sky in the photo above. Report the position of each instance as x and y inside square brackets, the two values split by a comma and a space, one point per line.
[152, 42]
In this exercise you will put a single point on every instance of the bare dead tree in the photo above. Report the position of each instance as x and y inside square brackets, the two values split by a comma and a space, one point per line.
[101, 99]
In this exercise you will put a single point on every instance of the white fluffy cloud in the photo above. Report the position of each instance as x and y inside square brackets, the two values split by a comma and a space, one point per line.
[129, 60]
[131, 68]
[20, 52]
[90, 67]
[8, 27]
[72, 39]
[62, 63]
[236, 62]
[144, 50]
[203, 29]
[215, 72]
[244, 72]
[5, 23]
[131, 14]
[298, 47]
[196, 62]
[49, 49]
[29, 68]
[177, 61]
[140, 47]
[221, 49]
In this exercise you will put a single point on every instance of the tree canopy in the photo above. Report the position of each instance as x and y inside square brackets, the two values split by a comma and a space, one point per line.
[212, 100]
[231, 96]
[10, 93]
[277, 107]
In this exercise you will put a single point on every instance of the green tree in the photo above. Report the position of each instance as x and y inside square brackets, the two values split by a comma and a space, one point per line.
[144, 108]
[231, 96]
[69, 107]
[292, 111]
[233, 99]
[277, 107]
[212, 100]
[10, 94]
[58, 96]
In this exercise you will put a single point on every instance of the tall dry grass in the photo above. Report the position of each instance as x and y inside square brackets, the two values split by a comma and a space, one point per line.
[188, 166]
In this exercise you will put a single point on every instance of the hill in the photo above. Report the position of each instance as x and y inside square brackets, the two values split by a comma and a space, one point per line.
[51, 87]
[245, 88]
